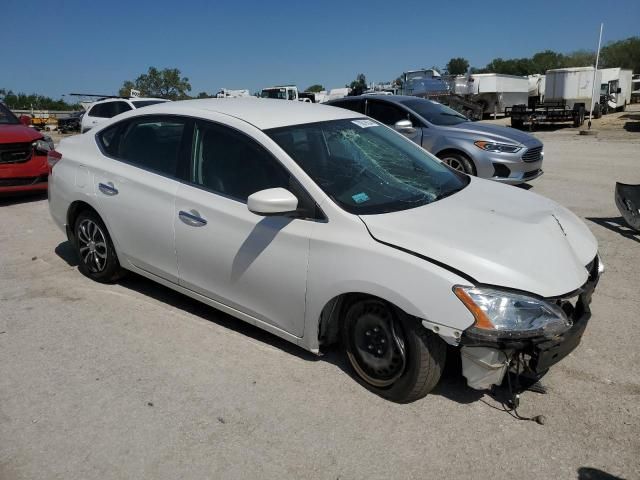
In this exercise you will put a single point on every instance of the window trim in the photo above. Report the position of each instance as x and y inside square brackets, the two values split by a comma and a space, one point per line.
[320, 216]
[187, 133]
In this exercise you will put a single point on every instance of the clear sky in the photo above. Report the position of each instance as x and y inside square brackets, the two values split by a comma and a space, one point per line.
[54, 47]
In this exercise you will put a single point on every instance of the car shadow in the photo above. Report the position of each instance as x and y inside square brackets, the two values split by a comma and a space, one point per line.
[8, 199]
[617, 225]
[525, 186]
[451, 386]
[588, 473]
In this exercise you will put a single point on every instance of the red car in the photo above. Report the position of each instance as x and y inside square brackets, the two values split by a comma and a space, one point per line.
[23, 155]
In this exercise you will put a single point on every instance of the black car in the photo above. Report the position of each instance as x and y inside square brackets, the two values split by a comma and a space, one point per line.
[70, 123]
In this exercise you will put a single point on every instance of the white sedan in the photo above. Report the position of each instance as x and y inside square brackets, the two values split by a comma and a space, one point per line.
[323, 226]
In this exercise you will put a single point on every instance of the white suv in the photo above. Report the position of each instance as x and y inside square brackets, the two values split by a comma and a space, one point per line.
[323, 226]
[110, 107]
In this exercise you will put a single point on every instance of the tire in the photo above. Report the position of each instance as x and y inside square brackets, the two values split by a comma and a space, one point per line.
[410, 365]
[458, 162]
[597, 111]
[517, 124]
[97, 258]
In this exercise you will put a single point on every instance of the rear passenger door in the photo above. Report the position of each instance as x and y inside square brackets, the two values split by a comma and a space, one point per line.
[136, 187]
[389, 113]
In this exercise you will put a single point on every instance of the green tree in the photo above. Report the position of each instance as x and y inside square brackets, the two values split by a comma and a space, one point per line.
[623, 53]
[457, 66]
[546, 60]
[167, 83]
[579, 58]
[315, 88]
[23, 101]
[359, 85]
[204, 95]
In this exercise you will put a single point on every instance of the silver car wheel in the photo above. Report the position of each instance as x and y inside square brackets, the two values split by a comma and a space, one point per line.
[454, 163]
[92, 246]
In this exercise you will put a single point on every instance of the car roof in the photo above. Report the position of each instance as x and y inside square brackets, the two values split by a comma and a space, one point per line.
[263, 113]
[128, 99]
[387, 98]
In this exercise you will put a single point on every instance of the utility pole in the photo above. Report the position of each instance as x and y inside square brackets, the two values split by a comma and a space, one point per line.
[595, 72]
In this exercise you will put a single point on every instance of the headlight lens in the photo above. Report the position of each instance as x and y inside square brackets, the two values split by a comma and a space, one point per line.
[497, 147]
[43, 145]
[500, 313]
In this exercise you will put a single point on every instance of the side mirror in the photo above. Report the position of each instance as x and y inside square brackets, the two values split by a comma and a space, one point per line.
[619, 90]
[404, 126]
[272, 201]
[25, 120]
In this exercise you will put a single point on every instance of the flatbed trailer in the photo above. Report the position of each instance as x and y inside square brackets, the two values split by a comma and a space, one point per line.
[545, 112]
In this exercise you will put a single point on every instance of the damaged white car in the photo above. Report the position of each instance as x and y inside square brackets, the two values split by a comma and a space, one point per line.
[324, 227]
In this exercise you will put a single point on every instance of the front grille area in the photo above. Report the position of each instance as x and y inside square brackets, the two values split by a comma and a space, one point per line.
[501, 170]
[22, 181]
[532, 155]
[15, 152]
[530, 174]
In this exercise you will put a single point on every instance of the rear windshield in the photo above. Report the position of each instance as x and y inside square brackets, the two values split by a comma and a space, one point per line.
[145, 103]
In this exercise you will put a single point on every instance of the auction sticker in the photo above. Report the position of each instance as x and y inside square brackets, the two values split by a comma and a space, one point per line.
[365, 123]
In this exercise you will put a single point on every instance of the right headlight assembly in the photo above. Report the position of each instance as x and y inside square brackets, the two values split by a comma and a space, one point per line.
[504, 314]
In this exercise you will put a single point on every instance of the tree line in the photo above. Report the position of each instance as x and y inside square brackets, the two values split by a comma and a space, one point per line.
[623, 53]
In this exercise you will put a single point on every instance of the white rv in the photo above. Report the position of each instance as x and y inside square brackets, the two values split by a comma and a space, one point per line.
[615, 88]
[574, 87]
[494, 91]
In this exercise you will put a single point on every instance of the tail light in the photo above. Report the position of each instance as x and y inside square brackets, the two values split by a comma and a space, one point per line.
[53, 157]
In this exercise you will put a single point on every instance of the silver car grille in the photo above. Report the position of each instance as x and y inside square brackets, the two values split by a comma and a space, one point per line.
[532, 154]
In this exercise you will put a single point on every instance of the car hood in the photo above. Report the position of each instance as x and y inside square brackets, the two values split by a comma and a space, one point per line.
[487, 131]
[497, 235]
[18, 134]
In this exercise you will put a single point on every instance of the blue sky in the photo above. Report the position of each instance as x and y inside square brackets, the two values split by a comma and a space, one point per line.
[54, 47]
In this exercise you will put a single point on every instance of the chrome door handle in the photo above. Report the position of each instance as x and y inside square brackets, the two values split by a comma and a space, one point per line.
[192, 218]
[108, 188]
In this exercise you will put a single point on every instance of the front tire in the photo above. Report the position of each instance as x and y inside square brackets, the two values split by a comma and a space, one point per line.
[458, 162]
[97, 258]
[391, 353]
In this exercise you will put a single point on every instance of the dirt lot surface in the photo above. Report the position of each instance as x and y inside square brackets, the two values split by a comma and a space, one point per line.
[134, 381]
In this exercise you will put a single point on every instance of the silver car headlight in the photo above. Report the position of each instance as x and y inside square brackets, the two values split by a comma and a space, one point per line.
[500, 313]
[43, 145]
[497, 147]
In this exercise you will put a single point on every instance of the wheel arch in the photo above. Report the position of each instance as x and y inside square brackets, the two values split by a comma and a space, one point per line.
[452, 150]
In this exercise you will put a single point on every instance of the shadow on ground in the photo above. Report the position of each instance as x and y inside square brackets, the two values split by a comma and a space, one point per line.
[588, 473]
[617, 225]
[452, 384]
[8, 199]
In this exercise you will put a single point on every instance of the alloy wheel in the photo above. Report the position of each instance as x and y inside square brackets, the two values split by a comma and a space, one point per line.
[92, 246]
[454, 163]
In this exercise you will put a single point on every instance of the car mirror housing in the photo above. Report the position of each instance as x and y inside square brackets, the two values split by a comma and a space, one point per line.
[25, 120]
[272, 201]
[404, 126]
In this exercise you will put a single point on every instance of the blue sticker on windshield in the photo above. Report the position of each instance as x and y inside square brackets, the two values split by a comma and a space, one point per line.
[360, 197]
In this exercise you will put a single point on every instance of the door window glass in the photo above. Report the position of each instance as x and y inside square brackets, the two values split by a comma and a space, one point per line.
[229, 163]
[385, 112]
[353, 105]
[152, 143]
[119, 107]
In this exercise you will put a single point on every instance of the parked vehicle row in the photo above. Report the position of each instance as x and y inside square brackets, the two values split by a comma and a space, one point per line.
[324, 226]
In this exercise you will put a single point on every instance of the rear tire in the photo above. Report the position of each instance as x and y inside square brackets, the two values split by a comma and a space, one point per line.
[391, 353]
[458, 162]
[97, 258]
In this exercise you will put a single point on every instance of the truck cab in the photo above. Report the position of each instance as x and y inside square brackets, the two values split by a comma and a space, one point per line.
[281, 92]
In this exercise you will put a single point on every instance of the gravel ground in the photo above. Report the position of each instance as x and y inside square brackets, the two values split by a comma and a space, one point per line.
[134, 381]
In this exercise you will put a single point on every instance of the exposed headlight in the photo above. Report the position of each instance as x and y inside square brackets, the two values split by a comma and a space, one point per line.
[43, 145]
[497, 147]
[501, 313]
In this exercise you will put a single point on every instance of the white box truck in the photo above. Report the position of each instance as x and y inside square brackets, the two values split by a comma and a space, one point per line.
[567, 98]
[615, 89]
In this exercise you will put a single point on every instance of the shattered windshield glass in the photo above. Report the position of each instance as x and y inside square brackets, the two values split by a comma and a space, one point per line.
[365, 167]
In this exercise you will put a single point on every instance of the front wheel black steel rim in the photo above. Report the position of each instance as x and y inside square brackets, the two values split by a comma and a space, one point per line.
[92, 246]
[377, 347]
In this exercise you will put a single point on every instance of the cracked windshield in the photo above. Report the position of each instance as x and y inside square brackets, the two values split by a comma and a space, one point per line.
[367, 168]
